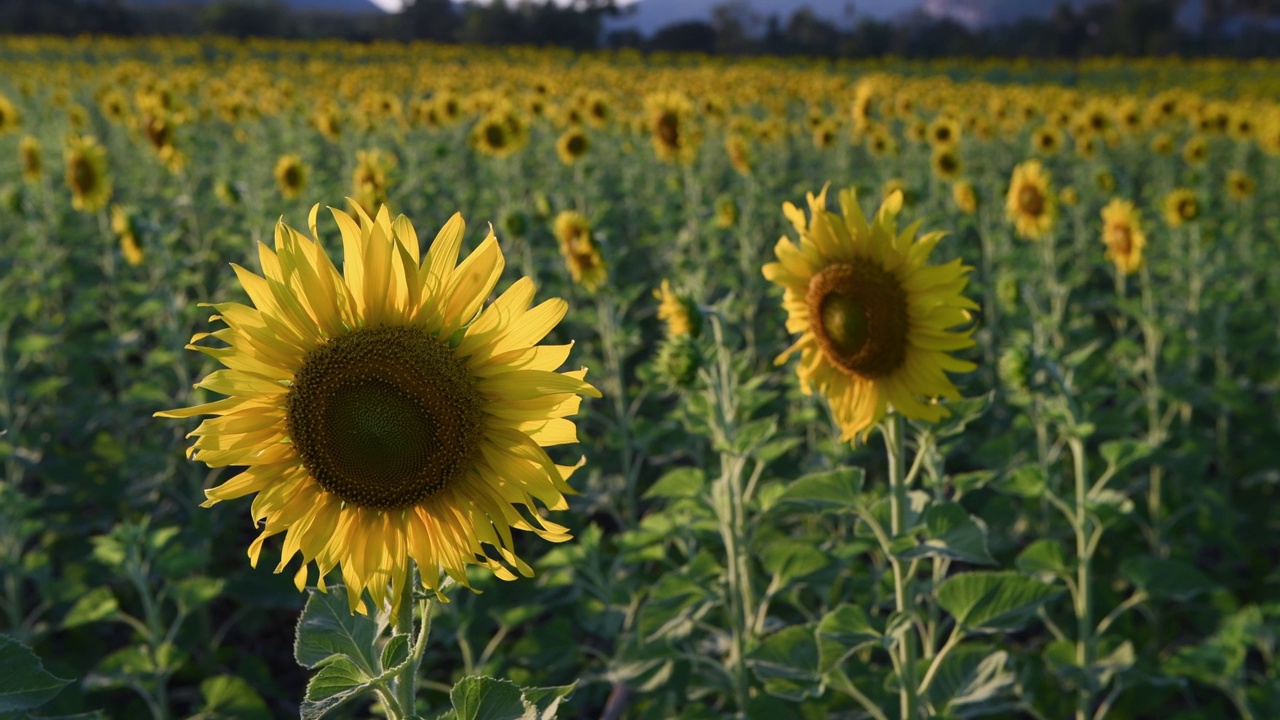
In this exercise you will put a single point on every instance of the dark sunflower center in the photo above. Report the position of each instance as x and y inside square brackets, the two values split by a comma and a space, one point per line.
[495, 136]
[1120, 239]
[668, 129]
[942, 134]
[1187, 209]
[577, 145]
[947, 163]
[385, 417]
[858, 313]
[83, 177]
[1030, 200]
[292, 176]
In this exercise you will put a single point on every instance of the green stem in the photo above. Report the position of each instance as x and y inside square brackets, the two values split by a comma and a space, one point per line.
[406, 682]
[1086, 646]
[893, 442]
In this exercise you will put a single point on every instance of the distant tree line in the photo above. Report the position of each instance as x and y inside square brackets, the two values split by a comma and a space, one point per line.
[1115, 27]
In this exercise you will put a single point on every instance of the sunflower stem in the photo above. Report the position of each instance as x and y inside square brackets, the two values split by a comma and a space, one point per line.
[406, 682]
[894, 448]
[1086, 646]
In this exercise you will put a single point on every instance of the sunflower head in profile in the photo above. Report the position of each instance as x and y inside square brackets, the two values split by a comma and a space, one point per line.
[1240, 186]
[581, 256]
[31, 159]
[876, 321]
[1123, 236]
[1180, 207]
[384, 413]
[572, 145]
[965, 197]
[328, 121]
[86, 162]
[1030, 204]
[739, 152]
[679, 312]
[291, 176]
[9, 117]
[371, 179]
[945, 163]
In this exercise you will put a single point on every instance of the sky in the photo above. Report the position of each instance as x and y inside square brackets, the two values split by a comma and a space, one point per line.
[879, 8]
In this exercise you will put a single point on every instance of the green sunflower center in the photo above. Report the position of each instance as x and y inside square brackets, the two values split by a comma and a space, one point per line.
[858, 313]
[385, 417]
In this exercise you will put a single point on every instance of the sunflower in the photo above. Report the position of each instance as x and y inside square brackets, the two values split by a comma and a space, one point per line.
[965, 197]
[327, 121]
[880, 142]
[1086, 146]
[1046, 140]
[1030, 204]
[945, 163]
[500, 133]
[572, 145]
[670, 116]
[1069, 196]
[371, 178]
[679, 312]
[384, 413]
[1161, 144]
[824, 134]
[31, 158]
[1195, 151]
[1239, 185]
[874, 319]
[586, 265]
[1123, 236]
[9, 117]
[1180, 206]
[944, 132]
[87, 173]
[739, 153]
[291, 176]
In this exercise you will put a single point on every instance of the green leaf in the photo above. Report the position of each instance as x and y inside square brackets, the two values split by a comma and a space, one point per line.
[969, 674]
[1043, 556]
[682, 482]
[546, 700]
[842, 632]
[1119, 454]
[337, 682]
[675, 605]
[1027, 481]
[754, 434]
[787, 663]
[231, 698]
[837, 489]
[97, 604]
[790, 559]
[1163, 577]
[484, 698]
[196, 592]
[395, 652]
[24, 683]
[327, 627]
[993, 600]
[952, 533]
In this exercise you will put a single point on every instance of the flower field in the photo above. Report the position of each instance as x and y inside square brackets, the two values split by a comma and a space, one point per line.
[418, 381]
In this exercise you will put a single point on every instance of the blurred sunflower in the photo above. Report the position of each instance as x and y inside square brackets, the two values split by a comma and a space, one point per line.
[1239, 185]
[670, 116]
[291, 176]
[739, 153]
[726, 212]
[123, 226]
[1046, 140]
[9, 117]
[944, 132]
[965, 197]
[679, 312]
[1030, 204]
[1123, 236]
[874, 319]
[583, 258]
[945, 163]
[31, 158]
[1161, 144]
[1180, 206]
[385, 414]
[572, 146]
[86, 163]
[1195, 151]
[371, 178]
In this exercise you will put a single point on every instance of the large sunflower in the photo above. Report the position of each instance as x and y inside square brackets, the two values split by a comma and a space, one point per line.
[1030, 205]
[384, 413]
[874, 319]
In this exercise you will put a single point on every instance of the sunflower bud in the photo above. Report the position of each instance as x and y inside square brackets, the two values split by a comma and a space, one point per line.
[679, 360]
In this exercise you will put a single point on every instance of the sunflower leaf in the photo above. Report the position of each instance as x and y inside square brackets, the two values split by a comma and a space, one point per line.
[484, 698]
[338, 681]
[24, 683]
[993, 600]
[328, 628]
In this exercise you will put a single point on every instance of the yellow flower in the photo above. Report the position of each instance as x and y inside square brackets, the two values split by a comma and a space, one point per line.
[1123, 236]
[824, 134]
[31, 158]
[1030, 204]
[874, 319]
[739, 153]
[9, 117]
[680, 313]
[572, 145]
[500, 133]
[371, 178]
[671, 126]
[291, 175]
[965, 197]
[945, 163]
[86, 162]
[384, 414]
[944, 132]
[1069, 196]
[1195, 151]
[1046, 140]
[1239, 185]
[586, 265]
[1180, 206]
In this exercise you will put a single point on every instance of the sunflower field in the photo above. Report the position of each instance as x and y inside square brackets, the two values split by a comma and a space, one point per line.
[624, 386]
